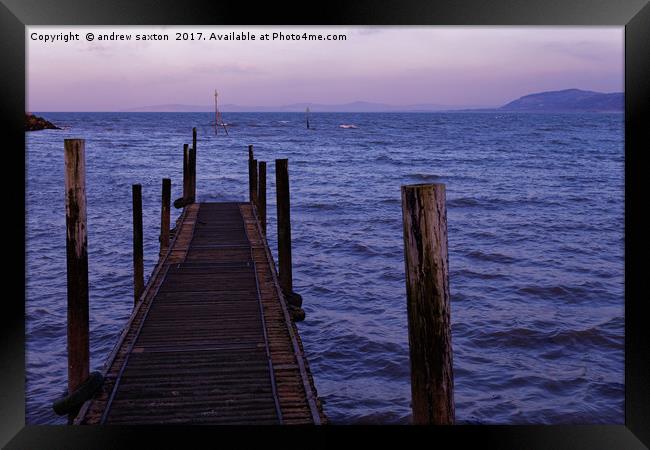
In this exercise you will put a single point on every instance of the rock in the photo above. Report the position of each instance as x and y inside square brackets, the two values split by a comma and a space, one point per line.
[34, 123]
[294, 299]
[182, 202]
[71, 403]
[297, 314]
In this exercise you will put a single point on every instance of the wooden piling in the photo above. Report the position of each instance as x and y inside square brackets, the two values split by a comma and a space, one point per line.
[193, 164]
[253, 170]
[284, 224]
[192, 171]
[252, 175]
[138, 252]
[186, 172]
[424, 219]
[165, 211]
[77, 262]
[261, 196]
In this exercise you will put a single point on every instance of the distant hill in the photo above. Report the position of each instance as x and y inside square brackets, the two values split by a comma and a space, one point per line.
[170, 108]
[358, 107]
[567, 100]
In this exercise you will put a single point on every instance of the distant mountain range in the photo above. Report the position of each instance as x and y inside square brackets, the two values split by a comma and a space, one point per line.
[299, 107]
[550, 101]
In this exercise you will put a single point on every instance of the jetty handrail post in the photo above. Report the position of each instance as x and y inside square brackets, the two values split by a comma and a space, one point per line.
[424, 218]
[252, 188]
[284, 225]
[194, 163]
[186, 173]
[254, 171]
[251, 180]
[192, 170]
[261, 195]
[138, 251]
[165, 212]
[77, 263]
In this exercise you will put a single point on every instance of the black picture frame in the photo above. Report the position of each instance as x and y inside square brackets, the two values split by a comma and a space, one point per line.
[633, 14]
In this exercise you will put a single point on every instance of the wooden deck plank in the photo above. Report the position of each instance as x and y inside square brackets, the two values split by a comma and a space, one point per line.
[211, 342]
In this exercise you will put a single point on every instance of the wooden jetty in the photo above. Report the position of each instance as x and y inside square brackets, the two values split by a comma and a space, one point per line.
[211, 339]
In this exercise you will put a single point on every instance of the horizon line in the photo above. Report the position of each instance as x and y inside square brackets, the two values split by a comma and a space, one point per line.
[423, 107]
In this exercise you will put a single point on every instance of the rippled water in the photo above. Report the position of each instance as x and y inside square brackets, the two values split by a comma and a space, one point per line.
[535, 211]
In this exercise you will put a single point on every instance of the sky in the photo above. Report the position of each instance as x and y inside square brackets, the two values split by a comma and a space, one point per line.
[447, 66]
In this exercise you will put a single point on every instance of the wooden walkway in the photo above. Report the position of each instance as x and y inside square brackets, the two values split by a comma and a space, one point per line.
[211, 341]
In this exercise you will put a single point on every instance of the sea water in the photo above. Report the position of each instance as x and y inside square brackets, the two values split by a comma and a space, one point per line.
[536, 239]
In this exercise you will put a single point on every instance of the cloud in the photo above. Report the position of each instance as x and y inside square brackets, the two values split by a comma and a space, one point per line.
[583, 50]
[365, 31]
[235, 68]
[98, 48]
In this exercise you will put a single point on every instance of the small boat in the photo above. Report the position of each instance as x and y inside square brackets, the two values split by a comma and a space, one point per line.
[346, 125]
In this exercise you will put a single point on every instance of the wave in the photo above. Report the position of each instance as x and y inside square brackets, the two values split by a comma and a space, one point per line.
[569, 293]
[424, 177]
[566, 340]
[478, 275]
[491, 257]
[364, 249]
[463, 202]
[386, 158]
[320, 206]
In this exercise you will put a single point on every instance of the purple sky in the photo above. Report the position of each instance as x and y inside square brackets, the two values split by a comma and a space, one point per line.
[451, 66]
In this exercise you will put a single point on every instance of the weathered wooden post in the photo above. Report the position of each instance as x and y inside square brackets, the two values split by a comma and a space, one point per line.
[261, 196]
[77, 262]
[165, 212]
[252, 175]
[138, 252]
[189, 178]
[424, 217]
[192, 165]
[186, 172]
[193, 150]
[253, 169]
[192, 170]
[284, 240]
[284, 224]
